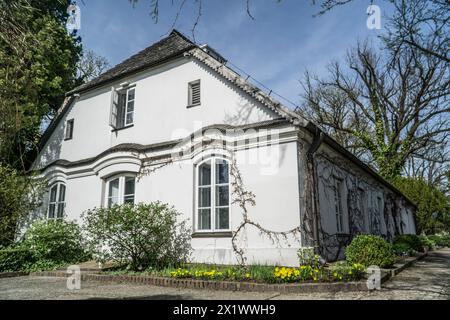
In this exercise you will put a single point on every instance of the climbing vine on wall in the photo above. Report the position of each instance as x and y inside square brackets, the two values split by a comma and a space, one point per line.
[245, 199]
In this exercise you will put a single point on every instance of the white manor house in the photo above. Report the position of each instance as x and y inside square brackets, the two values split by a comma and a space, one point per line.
[172, 122]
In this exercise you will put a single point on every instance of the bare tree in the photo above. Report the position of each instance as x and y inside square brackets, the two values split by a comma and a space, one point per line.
[91, 66]
[180, 5]
[329, 107]
[395, 106]
[420, 24]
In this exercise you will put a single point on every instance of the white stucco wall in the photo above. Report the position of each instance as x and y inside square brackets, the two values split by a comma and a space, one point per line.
[276, 191]
[161, 112]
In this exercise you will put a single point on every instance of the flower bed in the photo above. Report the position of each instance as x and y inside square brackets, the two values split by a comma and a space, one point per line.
[338, 272]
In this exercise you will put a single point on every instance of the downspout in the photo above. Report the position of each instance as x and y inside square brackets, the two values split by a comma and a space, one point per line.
[317, 141]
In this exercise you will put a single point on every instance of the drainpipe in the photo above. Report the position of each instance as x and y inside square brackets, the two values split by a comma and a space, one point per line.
[317, 141]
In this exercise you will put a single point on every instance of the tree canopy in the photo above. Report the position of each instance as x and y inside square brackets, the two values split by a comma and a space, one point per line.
[38, 61]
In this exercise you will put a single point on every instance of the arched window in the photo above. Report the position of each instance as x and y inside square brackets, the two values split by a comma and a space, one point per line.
[120, 190]
[213, 199]
[57, 201]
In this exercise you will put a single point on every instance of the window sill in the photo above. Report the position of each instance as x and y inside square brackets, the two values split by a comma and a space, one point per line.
[219, 234]
[123, 128]
[193, 105]
[67, 139]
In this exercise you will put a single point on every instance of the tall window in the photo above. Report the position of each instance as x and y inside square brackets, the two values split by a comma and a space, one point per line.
[122, 112]
[381, 214]
[194, 96]
[120, 190]
[362, 206]
[69, 129]
[57, 201]
[213, 205]
[338, 205]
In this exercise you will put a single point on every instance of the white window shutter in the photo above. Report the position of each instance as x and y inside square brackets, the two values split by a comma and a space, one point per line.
[114, 108]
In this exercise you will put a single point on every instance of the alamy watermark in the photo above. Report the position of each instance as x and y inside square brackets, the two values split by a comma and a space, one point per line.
[74, 280]
[374, 279]
[262, 146]
[374, 19]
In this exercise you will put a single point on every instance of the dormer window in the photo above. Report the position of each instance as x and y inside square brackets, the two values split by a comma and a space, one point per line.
[194, 96]
[122, 109]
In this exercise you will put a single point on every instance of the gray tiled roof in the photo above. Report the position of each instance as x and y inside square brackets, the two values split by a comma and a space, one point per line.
[173, 45]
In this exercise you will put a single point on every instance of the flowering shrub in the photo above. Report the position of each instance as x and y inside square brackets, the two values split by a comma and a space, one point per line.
[338, 272]
[212, 274]
[307, 257]
[342, 271]
[140, 236]
[286, 274]
[197, 274]
[304, 273]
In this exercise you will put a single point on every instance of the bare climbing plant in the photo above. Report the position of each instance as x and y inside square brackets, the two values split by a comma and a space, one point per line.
[244, 199]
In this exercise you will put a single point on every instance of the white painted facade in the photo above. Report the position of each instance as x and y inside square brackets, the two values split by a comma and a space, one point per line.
[161, 115]
[275, 172]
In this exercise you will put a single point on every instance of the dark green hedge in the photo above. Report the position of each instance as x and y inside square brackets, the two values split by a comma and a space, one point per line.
[14, 259]
[411, 240]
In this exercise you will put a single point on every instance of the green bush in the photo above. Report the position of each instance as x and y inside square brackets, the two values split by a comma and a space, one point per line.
[57, 241]
[441, 240]
[19, 195]
[427, 242]
[370, 250]
[402, 249]
[140, 236]
[14, 259]
[433, 211]
[412, 240]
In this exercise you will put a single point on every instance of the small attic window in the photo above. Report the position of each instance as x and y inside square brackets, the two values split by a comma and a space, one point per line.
[69, 130]
[194, 97]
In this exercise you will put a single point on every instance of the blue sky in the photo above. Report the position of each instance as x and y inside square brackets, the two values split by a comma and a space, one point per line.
[275, 48]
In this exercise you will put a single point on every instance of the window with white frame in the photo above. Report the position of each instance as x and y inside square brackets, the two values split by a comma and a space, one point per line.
[69, 129]
[194, 94]
[122, 109]
[57, 201]
[213, 199]
[120, 190]
[337, 190]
